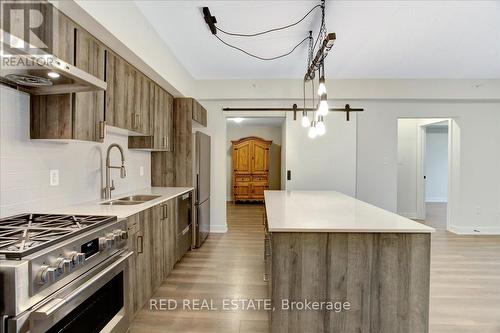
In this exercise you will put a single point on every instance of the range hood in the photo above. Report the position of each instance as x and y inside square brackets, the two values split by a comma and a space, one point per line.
[43, 73]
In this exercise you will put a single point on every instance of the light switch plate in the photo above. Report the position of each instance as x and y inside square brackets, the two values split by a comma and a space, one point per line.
[141, 171]
[54, 177]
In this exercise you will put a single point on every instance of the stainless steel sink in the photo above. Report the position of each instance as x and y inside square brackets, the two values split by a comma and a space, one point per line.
[121, 203]
[132, 200]
[139, 197]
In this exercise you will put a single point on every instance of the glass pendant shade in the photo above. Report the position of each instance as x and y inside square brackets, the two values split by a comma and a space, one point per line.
[320, 126]
[312, 133]
[323, 106]
[305, 120]
[322, 86]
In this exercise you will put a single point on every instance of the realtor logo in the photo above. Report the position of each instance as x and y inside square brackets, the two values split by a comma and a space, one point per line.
[27, 27]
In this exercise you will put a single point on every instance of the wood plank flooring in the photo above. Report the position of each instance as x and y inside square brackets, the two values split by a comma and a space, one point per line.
[227, 266]
[465, 280]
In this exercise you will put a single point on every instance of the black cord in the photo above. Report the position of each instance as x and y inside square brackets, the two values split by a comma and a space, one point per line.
[268, 31]
[258, 57]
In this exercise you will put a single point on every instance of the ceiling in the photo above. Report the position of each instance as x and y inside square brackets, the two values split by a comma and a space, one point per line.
[375, 39]
[257, 121]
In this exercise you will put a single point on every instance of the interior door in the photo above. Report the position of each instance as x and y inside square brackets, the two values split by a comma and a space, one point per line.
[260, 157]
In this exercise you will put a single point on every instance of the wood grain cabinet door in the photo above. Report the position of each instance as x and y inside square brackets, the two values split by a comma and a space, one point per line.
[140, 113]
[242, 157]
[88, 107]
[260, 157]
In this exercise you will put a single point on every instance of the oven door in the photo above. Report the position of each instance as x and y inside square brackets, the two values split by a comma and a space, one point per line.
[95, 302]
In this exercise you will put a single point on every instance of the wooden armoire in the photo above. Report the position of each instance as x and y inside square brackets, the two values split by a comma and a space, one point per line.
[250, 168]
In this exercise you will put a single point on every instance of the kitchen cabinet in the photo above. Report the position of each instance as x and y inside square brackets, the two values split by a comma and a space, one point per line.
[183, 143]
[161, 122]
[76, 116]
[199, 113]
[162, 169]
[193, 109]
[142, 287]
[250, 168]
[152, 237]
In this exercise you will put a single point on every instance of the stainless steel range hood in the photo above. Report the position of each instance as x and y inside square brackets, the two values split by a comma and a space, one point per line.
[43, 74]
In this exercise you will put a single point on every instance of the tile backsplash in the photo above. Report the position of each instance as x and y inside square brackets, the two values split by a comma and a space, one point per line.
[25, 164]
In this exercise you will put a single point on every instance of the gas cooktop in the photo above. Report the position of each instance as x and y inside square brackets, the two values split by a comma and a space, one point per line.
[24, 234]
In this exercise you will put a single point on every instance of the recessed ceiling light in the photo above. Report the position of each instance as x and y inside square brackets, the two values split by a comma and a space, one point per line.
[237, 120]
[53, 75]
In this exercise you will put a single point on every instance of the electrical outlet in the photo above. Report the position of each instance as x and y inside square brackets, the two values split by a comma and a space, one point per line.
[141, 171]
[54, 177]
[478, 210]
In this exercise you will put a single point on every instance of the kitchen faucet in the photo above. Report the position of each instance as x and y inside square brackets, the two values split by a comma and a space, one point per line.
[107, 190]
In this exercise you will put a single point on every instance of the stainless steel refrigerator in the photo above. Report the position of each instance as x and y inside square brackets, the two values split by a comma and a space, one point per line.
[202, 188]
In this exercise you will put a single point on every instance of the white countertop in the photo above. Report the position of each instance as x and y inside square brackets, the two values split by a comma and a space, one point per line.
[122, 211]
[330, 211]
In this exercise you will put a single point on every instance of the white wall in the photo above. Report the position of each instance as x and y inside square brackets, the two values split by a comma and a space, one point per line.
[477, 177]
[238, 131]
[407, 167]
[436, 164]
[324, 163]
[25, 164]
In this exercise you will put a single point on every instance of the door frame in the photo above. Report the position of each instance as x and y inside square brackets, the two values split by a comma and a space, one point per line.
[452, 169]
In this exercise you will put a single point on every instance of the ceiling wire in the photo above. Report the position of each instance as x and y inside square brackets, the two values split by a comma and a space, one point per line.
[259, 57]
[270, 30]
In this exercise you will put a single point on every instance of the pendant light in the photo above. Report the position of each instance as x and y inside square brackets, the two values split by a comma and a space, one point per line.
[313, 132]
[320, 126]
[305, 122]
[322, 86]
[323, 106]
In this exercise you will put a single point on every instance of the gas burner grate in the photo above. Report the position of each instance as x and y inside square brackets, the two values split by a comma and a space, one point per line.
[27, 233]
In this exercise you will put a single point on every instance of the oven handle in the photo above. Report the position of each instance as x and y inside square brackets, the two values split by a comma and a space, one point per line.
[48, 309]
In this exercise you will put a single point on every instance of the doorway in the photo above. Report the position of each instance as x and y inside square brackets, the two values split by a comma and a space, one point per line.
[265, 133]
[425, 170]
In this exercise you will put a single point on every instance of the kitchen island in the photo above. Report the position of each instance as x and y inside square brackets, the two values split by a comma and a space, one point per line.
[337, 264]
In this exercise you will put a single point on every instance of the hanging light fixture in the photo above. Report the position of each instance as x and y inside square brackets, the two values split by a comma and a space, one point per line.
[305, 119]
[313, 132]
[320, 126]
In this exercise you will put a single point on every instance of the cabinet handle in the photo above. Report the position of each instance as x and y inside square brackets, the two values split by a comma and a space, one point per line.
[142, 244]
[266, 277]
[102, 129]
[136, 120]
[164, 142]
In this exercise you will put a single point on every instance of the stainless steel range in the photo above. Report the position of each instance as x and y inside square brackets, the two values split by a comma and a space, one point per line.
[63, 273]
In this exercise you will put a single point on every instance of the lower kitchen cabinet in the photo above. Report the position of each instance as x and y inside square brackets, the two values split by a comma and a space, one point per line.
[152, 237]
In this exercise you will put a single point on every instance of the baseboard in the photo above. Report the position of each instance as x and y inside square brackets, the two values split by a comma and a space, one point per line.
[218, 229]
[474, 230]
[412, 215]
[436, 199]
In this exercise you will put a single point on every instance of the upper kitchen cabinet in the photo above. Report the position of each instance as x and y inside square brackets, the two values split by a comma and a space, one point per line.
[128, 96]
[75, 116]
[161, 122]
[197, 111]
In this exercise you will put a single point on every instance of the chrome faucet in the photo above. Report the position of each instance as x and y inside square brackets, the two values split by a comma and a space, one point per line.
[107, 190]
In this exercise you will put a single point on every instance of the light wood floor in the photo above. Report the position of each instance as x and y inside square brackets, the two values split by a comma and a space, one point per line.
[465, 280]
[226, 266]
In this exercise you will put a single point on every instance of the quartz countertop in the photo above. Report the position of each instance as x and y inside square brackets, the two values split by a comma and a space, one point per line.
[330, 211]
[122, 211]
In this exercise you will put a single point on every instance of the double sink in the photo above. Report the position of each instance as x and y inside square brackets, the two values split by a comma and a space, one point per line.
[131, 200]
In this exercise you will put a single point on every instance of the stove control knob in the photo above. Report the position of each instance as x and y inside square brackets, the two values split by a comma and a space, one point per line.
[110, 240]
[77, 258]
[124, 234]
[47, 274]
[103, 243]
[63, 265]
[118, 235]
